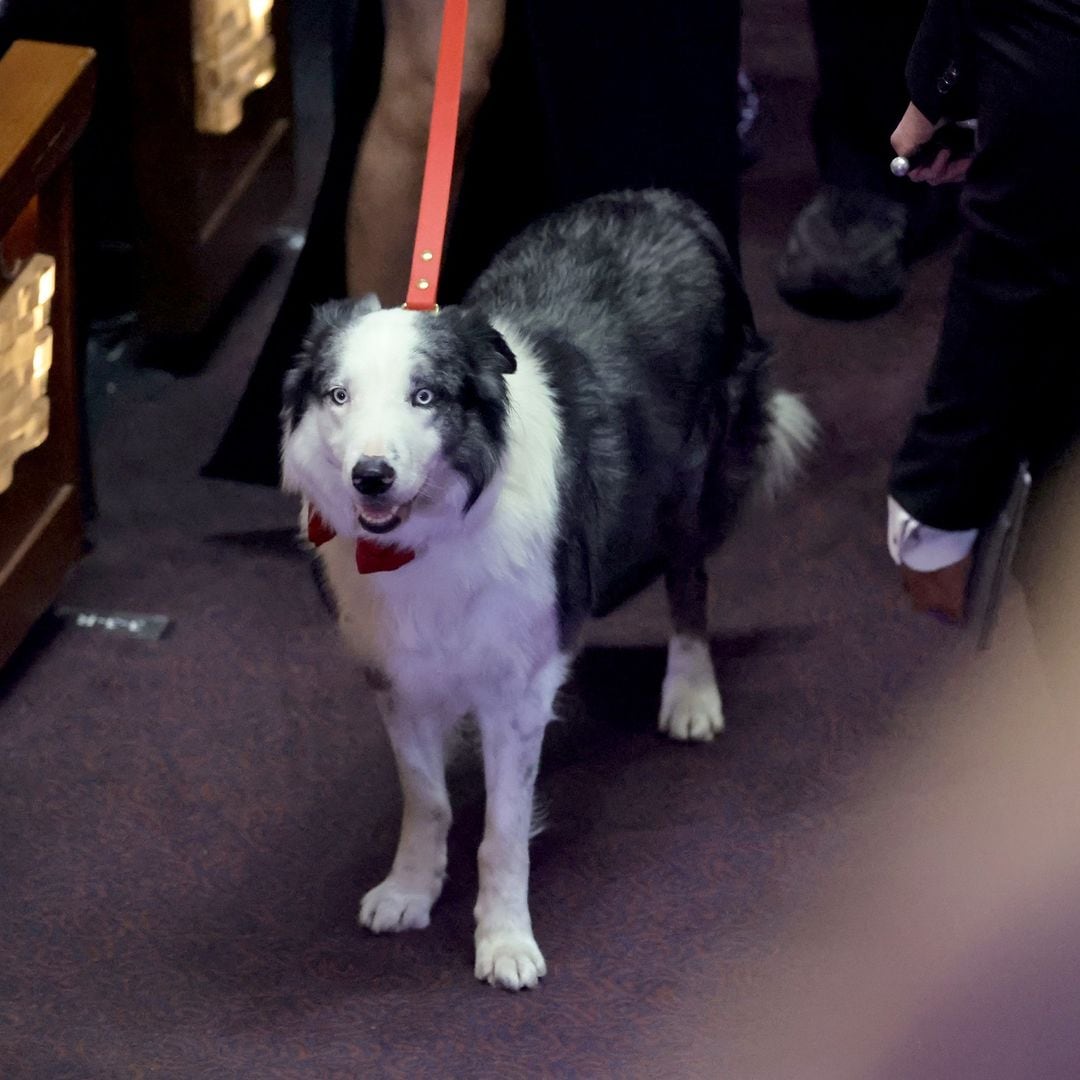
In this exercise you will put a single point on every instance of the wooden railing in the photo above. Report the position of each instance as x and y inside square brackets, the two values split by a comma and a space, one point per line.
[45, 98]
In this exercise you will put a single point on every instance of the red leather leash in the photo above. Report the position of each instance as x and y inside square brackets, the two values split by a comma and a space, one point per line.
[439, 164]
[373, 557]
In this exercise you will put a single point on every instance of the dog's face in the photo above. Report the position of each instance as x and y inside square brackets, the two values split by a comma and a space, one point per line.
[393, 415]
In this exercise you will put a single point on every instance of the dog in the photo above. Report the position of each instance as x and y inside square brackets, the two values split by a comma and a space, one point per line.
[480, 481]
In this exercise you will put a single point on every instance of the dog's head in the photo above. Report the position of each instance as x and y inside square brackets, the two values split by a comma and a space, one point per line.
[392, 415]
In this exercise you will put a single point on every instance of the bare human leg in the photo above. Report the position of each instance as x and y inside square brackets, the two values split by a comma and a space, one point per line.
[383, 203]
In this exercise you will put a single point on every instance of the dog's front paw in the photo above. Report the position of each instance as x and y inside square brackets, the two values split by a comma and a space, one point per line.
[510, 959]
[690, 708]
[390, 907]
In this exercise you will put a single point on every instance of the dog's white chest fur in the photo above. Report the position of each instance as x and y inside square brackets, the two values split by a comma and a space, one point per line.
[475, 613]
[437, 633]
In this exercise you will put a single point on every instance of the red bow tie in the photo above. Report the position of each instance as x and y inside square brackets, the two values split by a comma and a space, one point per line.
[371, 558]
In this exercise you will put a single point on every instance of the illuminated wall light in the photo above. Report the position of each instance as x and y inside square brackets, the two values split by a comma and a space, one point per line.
[25, 359]
[43, 355]
[46, 286]
[259, 10]
[233, 53]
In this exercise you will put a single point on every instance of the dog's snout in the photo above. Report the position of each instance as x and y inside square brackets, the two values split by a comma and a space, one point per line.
[373, 476]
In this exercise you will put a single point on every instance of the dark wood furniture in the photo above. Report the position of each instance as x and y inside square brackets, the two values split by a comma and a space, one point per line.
[206, 201]
[46, 93]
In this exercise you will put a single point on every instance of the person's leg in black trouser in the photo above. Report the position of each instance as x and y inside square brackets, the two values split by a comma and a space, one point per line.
[641, 94]
[847, 250]
[862, 51]
[1004, 387]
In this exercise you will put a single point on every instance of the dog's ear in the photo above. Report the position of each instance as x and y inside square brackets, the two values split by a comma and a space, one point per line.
[505, 360]
[302, 379]
[299, 383]
[338, 314]
[485, 344]
[485, 397]
[489, 360]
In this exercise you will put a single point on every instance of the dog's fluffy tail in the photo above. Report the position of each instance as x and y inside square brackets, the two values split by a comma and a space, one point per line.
[790, 434]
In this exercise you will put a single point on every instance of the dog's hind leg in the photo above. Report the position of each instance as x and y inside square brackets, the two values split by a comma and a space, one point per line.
[403, 901]
[690, 707]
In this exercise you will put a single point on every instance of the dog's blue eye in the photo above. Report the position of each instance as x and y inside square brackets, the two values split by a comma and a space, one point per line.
[339, 395]
[423, 397]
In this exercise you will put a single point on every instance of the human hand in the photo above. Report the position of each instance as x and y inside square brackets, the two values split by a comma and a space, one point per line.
[912, 133]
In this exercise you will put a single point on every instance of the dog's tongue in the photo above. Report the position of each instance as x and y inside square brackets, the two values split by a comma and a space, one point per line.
[371, 558]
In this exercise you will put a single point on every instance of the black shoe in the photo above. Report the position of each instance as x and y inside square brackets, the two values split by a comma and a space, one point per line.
[845, 255]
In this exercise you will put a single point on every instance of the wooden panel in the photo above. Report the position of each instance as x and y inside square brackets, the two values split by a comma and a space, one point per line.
[45, 96]
[42, 472]
[33, 575]
[41, 530]
[40, 522]
[207, 201]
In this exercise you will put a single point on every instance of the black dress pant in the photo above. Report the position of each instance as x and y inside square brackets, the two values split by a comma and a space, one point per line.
[1004, 387]
[862, 51]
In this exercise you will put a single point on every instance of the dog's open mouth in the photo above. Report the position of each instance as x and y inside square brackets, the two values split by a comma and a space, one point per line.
[381, 519]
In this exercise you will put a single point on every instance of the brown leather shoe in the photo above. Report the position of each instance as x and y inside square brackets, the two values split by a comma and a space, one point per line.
[939, 592]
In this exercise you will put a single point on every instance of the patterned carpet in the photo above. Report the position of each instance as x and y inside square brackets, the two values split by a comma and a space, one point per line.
[186, 825]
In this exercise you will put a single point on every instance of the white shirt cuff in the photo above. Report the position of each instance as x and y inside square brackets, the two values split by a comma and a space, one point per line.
[923, 547]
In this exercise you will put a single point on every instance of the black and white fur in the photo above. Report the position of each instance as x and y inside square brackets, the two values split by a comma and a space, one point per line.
[590, 417]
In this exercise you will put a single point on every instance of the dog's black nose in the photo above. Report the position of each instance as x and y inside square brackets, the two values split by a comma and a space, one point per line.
[373, 476]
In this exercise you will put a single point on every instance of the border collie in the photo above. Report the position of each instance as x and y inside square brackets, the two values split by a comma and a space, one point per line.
[481, 481]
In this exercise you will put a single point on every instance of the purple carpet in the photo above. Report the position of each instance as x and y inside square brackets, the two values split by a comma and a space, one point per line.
[186, 825]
